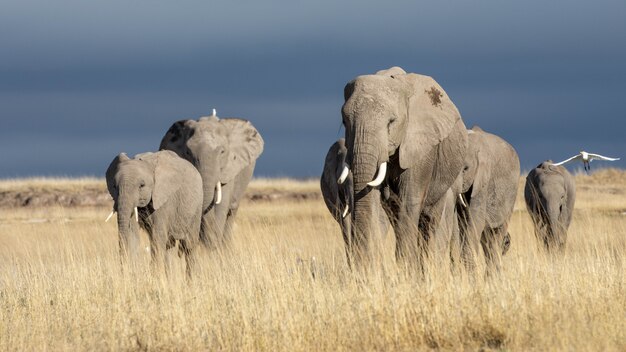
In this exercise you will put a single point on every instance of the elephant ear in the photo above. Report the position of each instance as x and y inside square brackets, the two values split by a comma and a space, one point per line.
[431, 117]
[112, 170]
[483, 174]
[167, 179]
[177, 135]
[245, 144]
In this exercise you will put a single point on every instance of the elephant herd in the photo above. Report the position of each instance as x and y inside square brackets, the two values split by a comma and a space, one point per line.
[407, 162]
[187, 192]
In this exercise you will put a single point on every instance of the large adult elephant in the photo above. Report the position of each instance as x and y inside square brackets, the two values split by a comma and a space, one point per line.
[490, 178]
[406, 144]
[163, 194]
[550, 193]
[224, 151]
[336, 184]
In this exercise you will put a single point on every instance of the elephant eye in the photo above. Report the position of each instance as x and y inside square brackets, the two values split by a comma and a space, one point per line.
[142, 184]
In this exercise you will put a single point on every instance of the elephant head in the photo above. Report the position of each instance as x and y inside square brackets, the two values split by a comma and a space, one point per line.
[218, 148]
[394, 121]
[550, 193]
[478, 166]
[147, 181]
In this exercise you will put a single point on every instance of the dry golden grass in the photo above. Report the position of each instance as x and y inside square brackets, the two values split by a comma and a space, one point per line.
[285, 285]
[51, 183]
[64, 183]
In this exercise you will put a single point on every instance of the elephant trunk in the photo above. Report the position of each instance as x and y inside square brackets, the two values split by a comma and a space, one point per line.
[209, 170]
[208, 194]
[127, 228]
[556, 235]
[366, 160]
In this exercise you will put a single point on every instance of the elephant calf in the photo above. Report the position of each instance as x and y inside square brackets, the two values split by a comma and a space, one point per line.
[163, 193]
[550, 193]
[336, 186]
[490, 178]
[337, 189]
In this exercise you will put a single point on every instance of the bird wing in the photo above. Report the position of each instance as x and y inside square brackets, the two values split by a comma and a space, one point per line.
[601, 157]
[575, 157]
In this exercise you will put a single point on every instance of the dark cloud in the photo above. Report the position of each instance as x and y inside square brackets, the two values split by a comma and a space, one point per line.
[80, 81]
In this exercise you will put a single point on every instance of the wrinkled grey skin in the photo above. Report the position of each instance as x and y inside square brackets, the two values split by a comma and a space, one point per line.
[490, 178]
[446, 237]
[167, 191]
[339, 196]
[408, 121]
[225, 151]
[550, 193]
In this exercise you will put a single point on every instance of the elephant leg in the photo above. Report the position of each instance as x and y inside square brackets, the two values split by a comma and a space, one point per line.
[442, 222]
[190, 257]
[492, 242]
[410, 241]
[158, 260]
[159, 243]
[410, 237]
[455, 244]
[406, 231]
[472, 223]
[229, 225]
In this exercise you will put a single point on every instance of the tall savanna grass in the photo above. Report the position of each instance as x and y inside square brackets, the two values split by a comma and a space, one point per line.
[284, 285]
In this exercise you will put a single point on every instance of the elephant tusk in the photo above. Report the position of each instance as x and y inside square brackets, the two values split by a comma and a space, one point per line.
[382, 170]
[136, 215]
[214, 112]
[462, 200]
[345, 211]
[344, 175]
[218, 191]
[110, 216]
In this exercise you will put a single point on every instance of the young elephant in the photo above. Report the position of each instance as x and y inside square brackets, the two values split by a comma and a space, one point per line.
[338, 191]
[490, 177]
[550, 193]
[336, 186]
[163, 193]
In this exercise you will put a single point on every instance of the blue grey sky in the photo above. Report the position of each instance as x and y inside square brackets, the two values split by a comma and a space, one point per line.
[81, 81]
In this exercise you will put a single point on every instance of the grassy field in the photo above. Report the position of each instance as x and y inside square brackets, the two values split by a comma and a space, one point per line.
[284, 285]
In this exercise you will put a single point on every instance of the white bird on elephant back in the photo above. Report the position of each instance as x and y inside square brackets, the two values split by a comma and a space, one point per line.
[586, 158]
